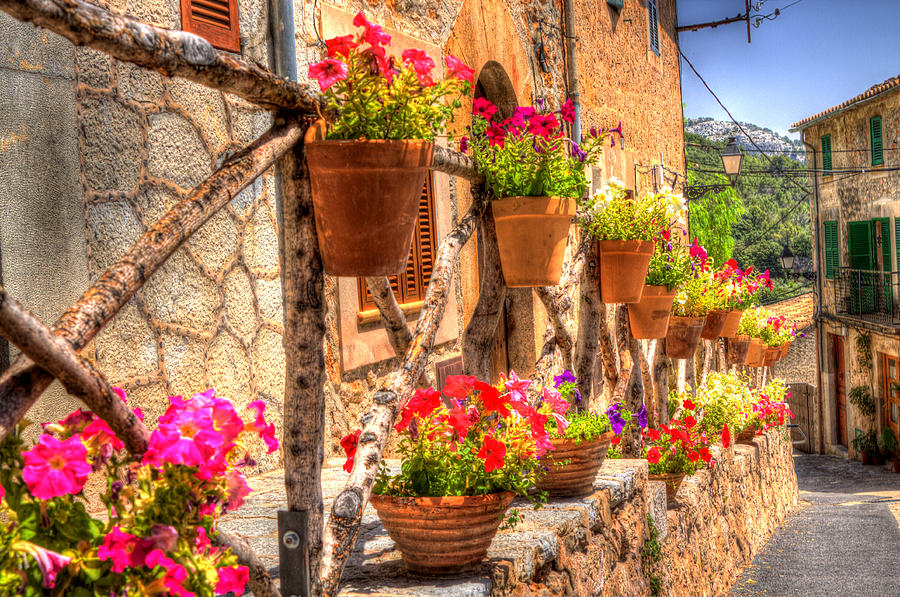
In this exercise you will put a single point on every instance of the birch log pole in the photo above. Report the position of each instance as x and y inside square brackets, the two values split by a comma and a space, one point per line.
[24, 382]
[607, 351]
[392, 315]
[346, 513]
[590, 325]
[661, 381]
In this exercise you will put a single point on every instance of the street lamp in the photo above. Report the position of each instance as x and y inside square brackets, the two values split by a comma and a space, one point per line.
[731, 159]
[787, 259]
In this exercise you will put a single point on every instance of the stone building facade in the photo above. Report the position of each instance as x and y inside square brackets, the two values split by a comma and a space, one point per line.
[855, 206]
[93, 150]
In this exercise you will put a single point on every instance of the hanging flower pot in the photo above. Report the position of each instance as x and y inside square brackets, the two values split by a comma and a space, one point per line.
[531, 235]
[438, 535]
[756, 353]
[570, 468]
[736, 349]
[672, 481]
[649, 317]
[712, 329]
[683, 336]
[732, 320]
[771, 355]
[366, 198]
[784, 350]
[623, 267]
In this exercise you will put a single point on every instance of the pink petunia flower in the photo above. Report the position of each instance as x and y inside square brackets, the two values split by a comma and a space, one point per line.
[497, 134]
[459, 70]
[232, 579]
[175, 574]
[421, 63]
[543, 125]
[124, 549]
[373, 34]
[54, 468]
[328, 72]
[484, 108]
[49, 562]
[517, 387]
[567, 111]
[340, 46]
[237, 489]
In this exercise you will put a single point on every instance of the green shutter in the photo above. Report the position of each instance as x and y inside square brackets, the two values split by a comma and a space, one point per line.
[877, 143]
[826, 155]
[617, 4]
[861, 254]
[886, 262]
[832, 254]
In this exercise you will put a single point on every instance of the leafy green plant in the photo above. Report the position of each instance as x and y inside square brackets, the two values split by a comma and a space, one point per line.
[888, 441]
[864, 351]
[861, 397]
[695, 297]
[865, 442]
[670, 265]
[377, 96]
[651, 553]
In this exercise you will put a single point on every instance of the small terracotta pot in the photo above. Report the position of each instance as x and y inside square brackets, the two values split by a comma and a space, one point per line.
[756, 353]
[570, 468]
[712, 329]
[623, 267]
[784, 350]
[437, 535]
[672, 481]
[366, 197]
[732, 321]
[531, 235]
[683, 336]
[771, 356]
[867, 459]
[649, 317]
[736, 349]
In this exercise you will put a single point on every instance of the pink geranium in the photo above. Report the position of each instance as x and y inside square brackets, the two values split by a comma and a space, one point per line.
[55, 468]
[328, 72]
[459, 70]
[232, 579]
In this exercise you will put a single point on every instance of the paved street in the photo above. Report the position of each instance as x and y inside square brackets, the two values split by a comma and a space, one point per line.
[844, 540]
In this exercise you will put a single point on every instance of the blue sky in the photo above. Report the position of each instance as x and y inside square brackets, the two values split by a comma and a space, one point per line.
[816, 54]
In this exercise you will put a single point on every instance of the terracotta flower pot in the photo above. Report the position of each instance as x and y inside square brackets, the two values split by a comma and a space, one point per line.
[736, 349]
[672, 481]
[570, 468]
[896, 465]
[366, 197]
[756, 353]
[712, 329]
[649, 317]
[867, 459]
[732, 320]
[531, 235]
[784, 350]
[623, 267]
[771, 356]
[683, 336]
[437, 535]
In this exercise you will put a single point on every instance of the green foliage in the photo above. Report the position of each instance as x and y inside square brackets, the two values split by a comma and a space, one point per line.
[583, 426]
[612, 215]
[652, 555]
[864, 351]
[670, 265]
[865, 442]
[712, 219]
[696, 296]
[861, 397]
[888, 441]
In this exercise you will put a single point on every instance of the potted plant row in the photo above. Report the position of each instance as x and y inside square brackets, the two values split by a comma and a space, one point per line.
[368, 168]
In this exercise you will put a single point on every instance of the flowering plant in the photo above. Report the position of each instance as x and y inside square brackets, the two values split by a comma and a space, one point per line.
[161, 511]
[740, 287]
[723, 400]
[698, 294]
[481, 441]
[527, 154]
[565, 399]
[377, 96]
[611, 214]
[621, 419]
[670, 264]
[679, 447]
[770, 409]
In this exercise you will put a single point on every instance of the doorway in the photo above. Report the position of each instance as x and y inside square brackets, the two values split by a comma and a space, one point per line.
[891, 411]
[840, 388]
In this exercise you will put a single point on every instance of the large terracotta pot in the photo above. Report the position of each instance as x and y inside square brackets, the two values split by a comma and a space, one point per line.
[736, 349]
[784, 350]
[732, 321]
[756, 353]
[531, 235]
[712, 329]
[672, 481]
[649, 317]
[623, 267]
[437, 535]
[366, 199]
[683, 336]
[771, 356]
[570, 469]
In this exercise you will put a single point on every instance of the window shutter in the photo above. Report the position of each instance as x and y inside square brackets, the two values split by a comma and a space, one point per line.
[214, 20]
[826, 154]
[877, 143]
[653, 15]
[617, 4]
[860, 245]
[886, 251]
[832, 256]
[410, 286]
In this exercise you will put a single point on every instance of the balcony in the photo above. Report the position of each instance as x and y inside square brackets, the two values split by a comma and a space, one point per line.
[868, 295]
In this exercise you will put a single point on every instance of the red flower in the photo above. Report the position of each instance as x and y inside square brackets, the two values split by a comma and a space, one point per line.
[688, 404]
[373, 34]
[543, 125]
[493, 453]
[328, 72]
[340, 45]
[496, 134]
[349, 443]
[666, 234]
[689, 422]
[422, 404]
[617, 440]
[726, 436]
[422, 63]
[705, 455]
[653, 455]
[459, 386]
[459, 70]
[491, 398]
[693, 456]
[484, 108]
[567, 111]
[652, 434]
[460, 421]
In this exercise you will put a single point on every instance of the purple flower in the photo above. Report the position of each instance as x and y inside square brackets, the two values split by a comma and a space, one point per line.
[642, 416]
[578, 153]
[464, 144]
[566, 377]
[615, 418]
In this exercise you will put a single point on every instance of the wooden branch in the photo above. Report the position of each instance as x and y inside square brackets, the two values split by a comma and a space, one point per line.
[457, 164]
[590, 324]
[303, 430]
[346, 513]
[172, 53]
[57, 357]
[478, 337]
[626, 364]
[607, 354]
[23, 382]
[392, 315]
[661, 381]
[260, 583]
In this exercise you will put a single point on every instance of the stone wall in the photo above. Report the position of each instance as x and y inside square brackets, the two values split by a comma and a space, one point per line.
[600, 545]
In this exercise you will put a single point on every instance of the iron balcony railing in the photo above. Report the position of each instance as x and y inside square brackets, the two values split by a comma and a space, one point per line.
[868, 294]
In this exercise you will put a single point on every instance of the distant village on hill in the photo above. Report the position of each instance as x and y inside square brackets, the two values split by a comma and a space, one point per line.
[767, 139]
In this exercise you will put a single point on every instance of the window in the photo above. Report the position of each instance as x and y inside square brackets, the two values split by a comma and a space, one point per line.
[617, 4]
[653, 15]
[409, 287]
[826, 155]
[214, 20]
[877, 143]
[891, 388]
[868, 242]
[832, 255]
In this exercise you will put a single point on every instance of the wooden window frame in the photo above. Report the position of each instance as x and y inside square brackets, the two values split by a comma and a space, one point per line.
[886, 379]
[827, 164]
[653, 25]
[410, 295]
[216, 33]
[877, 144]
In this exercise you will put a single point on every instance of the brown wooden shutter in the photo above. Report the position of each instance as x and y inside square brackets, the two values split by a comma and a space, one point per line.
[214, 20]
[410, 286]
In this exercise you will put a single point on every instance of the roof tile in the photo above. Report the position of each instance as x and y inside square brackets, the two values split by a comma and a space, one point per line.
[870, 92]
